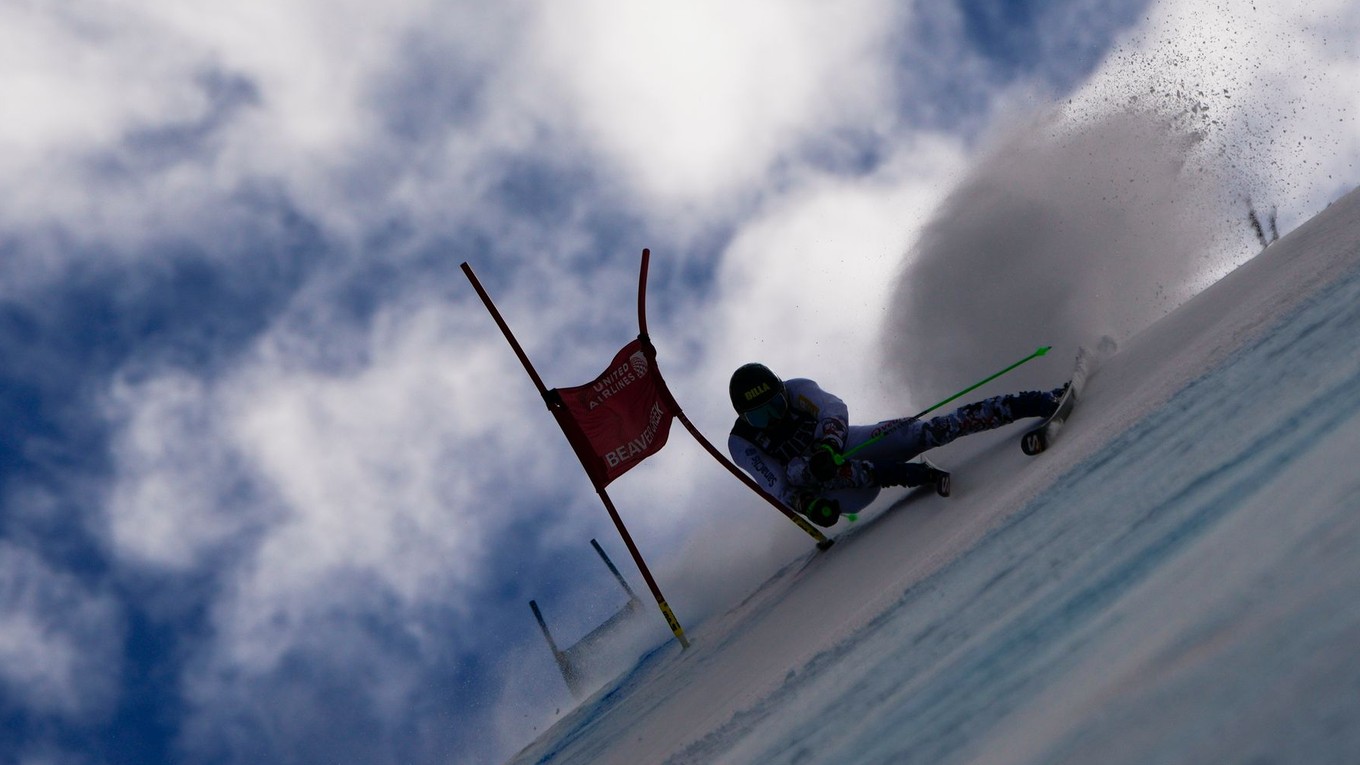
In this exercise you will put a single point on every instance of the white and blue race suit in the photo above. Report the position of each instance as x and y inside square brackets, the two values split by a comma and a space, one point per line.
[777, 455]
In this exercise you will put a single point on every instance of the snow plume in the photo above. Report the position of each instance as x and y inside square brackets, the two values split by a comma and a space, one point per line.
[1272, 84]
[1098, 218]
[1065, 231]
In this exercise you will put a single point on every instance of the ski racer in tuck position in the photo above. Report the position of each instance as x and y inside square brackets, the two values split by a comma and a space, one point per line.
[789, 436]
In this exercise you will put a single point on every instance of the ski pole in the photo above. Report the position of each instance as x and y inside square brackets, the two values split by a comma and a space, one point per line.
[1043, 349]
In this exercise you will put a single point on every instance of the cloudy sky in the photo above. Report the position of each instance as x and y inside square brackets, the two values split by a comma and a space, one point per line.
[272, 486]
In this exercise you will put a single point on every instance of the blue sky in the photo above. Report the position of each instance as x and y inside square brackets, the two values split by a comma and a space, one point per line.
[272, 488]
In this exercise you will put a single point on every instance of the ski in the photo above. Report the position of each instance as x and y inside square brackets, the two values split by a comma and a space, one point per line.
[1038, 438]
[942, 479]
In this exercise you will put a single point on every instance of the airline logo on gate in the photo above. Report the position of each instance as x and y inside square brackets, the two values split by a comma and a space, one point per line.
[621, 417]
[615, 380]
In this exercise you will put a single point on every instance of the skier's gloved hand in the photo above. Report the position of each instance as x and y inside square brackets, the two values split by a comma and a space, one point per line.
[822, 464]
[833, 434]
[823, 511]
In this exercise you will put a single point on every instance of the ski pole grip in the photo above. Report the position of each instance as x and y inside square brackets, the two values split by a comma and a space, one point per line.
[836, 456]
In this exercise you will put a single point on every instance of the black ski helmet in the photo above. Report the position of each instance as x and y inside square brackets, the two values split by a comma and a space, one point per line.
[753, 386]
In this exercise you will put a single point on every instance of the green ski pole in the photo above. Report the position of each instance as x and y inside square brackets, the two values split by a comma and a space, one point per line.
[1043, 349]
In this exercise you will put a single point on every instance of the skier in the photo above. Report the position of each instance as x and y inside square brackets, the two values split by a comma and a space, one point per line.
[790, 434]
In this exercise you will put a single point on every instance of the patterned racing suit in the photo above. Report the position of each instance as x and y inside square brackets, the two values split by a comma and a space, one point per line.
[777, 456]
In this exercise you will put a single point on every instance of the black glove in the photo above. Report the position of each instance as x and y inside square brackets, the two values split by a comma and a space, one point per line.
[823, 511]
[822, 464]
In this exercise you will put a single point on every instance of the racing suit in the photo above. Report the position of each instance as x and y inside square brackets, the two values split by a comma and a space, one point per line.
[777, 455]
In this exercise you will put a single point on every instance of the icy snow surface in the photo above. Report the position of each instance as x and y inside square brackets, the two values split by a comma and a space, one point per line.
[1176, 580]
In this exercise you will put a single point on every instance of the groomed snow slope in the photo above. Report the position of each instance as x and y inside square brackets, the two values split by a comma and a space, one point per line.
[1174, 581]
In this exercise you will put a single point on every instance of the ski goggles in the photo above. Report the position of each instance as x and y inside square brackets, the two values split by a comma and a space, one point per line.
[767, 412]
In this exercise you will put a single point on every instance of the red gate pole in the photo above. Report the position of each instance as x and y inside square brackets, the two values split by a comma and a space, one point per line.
[822, 541]
[554, 406]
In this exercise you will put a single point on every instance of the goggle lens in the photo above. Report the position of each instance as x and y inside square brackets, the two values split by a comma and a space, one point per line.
[768, 412]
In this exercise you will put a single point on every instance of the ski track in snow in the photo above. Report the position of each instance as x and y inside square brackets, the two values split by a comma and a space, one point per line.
[1183, 593]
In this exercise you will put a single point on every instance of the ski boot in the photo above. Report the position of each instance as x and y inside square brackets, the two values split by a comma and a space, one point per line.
[911, 475]
[1034, 403]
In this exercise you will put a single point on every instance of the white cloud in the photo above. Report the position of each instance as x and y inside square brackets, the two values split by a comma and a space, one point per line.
[77, 76]
[366, 499]
[375, 466]
[386, 469]
[696, 100]
[97, 96]
[173, 501]
[684, 103]
[60, 641]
